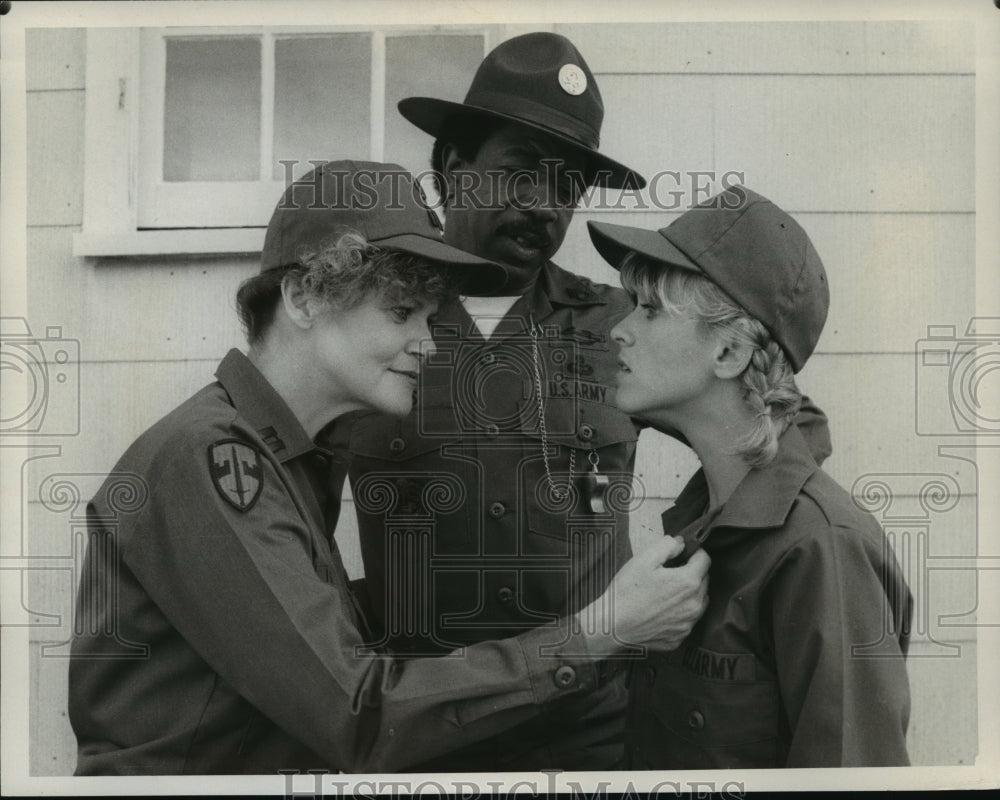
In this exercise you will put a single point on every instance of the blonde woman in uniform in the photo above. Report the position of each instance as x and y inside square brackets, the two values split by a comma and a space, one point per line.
[799, 659]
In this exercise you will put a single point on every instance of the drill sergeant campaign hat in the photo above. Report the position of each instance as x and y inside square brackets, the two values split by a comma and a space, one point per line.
[541, 81]
[381, 202]
[752, 250]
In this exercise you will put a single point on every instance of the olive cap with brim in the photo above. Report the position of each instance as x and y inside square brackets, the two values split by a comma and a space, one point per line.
[752, 250]
[380, 202]
[538, 80]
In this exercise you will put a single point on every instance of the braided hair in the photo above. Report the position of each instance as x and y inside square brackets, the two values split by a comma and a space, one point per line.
[768, 382]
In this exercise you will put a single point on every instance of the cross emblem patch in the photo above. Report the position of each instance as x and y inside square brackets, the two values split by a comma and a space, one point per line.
[236, 472]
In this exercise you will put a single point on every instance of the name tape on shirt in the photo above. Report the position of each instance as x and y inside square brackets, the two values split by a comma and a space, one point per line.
[719, 666]
[583, 389]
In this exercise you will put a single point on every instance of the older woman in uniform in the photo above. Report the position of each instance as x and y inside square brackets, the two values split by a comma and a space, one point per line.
[216, 631]
[799, 659]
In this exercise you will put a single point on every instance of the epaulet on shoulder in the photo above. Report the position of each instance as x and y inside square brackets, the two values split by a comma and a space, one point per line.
[192, 426]
[831, 502]
[614, 295]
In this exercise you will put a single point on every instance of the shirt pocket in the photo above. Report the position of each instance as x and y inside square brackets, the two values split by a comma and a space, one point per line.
[578, 525]
[416, 502]
[409, 470]
[558, 498]
[689, 722]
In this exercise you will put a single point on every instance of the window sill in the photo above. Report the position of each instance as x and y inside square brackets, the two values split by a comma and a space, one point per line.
[187, 241]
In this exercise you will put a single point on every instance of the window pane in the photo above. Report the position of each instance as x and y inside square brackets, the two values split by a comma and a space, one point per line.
[212, 110]
[322, 100]
[425, 66]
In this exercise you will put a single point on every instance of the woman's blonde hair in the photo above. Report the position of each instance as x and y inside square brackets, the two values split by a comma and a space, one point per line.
[768, 382]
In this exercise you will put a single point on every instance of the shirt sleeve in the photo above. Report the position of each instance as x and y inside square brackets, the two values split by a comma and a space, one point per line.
[245, 590]
[841, 669]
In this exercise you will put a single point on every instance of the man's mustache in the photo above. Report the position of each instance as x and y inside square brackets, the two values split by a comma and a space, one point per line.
[535, 235]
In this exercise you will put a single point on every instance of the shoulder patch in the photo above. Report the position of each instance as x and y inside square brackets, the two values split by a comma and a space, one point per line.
[236, 472]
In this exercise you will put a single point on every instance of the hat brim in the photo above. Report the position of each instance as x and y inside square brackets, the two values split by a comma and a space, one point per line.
[614, 242]
[478, 276]
[431, 115]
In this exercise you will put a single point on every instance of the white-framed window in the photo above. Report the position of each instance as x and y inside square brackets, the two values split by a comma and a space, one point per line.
[193, 133]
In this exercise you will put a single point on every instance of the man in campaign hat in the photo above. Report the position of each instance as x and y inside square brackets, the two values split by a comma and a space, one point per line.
[515, 411]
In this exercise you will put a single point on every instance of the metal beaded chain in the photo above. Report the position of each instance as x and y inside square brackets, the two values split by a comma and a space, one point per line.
[559, 492]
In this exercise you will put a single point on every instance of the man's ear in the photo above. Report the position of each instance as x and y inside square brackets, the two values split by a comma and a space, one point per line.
[300, 306]
[450, 161]
[730, 359]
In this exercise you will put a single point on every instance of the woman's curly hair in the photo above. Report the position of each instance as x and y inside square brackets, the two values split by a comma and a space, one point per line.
[342, 272]
[768, 382]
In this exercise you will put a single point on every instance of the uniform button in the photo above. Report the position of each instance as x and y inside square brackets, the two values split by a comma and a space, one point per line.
[586, 432]
[651, 675]
[696, 721]
[565, 676]
[397, 445]
[491, 429]
[489, 358]
[497, 510]
[505, 594]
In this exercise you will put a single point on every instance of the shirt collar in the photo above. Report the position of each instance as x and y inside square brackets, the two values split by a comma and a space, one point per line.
[762, 499]
[262, 407]
[566, 289]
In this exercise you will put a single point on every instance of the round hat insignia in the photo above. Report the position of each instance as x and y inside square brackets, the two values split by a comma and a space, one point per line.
[572, 79]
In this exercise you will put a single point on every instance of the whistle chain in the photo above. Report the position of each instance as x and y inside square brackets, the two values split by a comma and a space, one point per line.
[559, 492]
